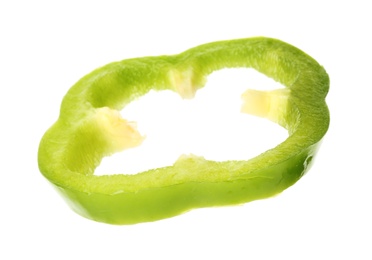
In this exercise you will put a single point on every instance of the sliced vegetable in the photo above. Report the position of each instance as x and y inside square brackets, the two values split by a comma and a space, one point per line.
[90, 127]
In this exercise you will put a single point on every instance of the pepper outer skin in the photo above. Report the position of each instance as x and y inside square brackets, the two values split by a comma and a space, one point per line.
[87, 130]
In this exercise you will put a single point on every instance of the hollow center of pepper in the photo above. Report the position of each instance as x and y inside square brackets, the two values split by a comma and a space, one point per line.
[209, 125]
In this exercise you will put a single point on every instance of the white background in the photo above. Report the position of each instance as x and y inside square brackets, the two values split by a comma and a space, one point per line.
[46, 46]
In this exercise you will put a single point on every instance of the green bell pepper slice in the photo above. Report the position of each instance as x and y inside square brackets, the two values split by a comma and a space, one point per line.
[90, 127]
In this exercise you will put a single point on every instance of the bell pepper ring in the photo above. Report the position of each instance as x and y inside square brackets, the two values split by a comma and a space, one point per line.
[90, 127]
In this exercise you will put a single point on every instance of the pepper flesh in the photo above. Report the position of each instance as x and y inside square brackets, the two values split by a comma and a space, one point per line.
[89, 128]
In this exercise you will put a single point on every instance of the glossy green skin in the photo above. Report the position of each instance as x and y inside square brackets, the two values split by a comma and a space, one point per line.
[72, 148]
